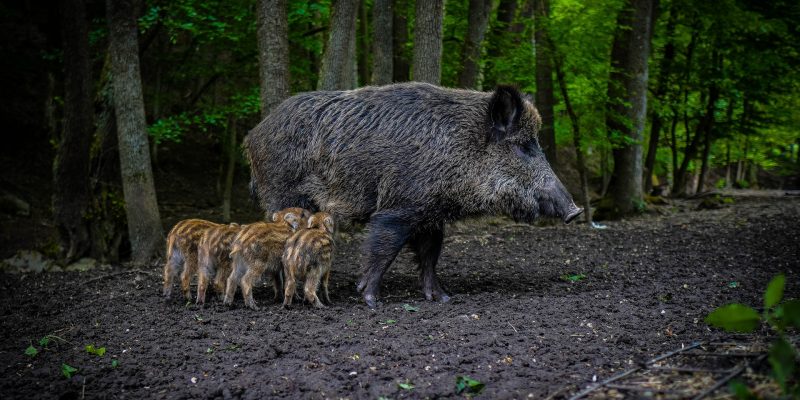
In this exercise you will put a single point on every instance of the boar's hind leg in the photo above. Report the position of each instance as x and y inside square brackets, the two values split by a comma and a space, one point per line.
[388, 233]
[427, 245]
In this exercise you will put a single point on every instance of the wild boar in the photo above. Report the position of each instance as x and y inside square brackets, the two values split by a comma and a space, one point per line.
[214, 258]
[256, 249]
[406, 158]
[182, 244]
[308, 255]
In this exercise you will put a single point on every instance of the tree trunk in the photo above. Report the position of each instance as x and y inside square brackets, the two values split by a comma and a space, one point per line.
[363, 46]
[703, 130]
[337, 62]
[400, 63]
[428, 41]
[674, 144]
[229, 171]
[273, 53]
[627, 94]
[656, 121]
[576, 134]
[544, 81]
[704, 161]
[71, 165]
[144, 223]
[471, 51]
[382, 42]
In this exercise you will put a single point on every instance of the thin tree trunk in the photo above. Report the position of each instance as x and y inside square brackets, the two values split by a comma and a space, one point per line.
[352, 65]
[71, 165]
[498, 37]
[363, 46]
[471, 51]
[144, 223]
[382, 42]
[273, 53]
[229, 171]
[428, 41]
[704, 162]
[337, 64]
[705, 125]
[400, 63]
[544, 81]
[627, 93]
[674, 144]
[576, 134]
[656, 121]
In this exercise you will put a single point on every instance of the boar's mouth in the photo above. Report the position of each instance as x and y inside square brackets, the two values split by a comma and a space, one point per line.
[547, 207]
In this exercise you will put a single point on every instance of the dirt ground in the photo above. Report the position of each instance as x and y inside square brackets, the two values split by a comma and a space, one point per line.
[516, 322]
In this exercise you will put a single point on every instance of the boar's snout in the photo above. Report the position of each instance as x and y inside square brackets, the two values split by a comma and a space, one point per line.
[572, 214]
[561, 202]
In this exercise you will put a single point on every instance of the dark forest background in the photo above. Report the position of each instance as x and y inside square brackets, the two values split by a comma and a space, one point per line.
[639, 98]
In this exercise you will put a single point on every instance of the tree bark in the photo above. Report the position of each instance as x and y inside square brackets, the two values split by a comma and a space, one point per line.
[544, 81]
[428, 41]
[627, 94]
[144, 223]
[71, 165]
[400, 63]
[337, 63]
[471, 51]
[665, 68]
[273, 53]
[229, 171]
[382, 42]
[363, 46]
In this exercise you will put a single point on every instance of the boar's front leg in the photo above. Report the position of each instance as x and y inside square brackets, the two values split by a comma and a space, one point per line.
[388, 232]
[427, 245]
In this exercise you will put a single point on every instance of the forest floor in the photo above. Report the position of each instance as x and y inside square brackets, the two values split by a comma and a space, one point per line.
[537, 312]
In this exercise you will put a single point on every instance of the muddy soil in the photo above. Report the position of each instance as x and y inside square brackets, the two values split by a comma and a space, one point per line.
[516, 323]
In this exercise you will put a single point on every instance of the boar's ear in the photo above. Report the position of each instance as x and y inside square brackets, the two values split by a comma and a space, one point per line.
[505, 109]
[292, 220]
[329, 226]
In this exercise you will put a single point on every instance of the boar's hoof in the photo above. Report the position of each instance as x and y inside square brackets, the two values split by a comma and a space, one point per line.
[437, 295]
[371, 300]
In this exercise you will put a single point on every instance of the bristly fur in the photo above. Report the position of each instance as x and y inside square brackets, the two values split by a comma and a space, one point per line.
[406, 157]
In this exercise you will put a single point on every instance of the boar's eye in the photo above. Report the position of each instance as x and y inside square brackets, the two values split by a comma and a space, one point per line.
[527, 150]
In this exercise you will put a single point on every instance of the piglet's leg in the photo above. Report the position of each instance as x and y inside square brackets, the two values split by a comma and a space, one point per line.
[388, 232]
[427, 245]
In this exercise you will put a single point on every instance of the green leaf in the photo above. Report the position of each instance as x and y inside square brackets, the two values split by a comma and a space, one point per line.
[31, 351]
[68, 370]
[388, 322]
[791, 313]
[573, 277]
[465, 384]
[406, 385]
[733, 284]
[774, 292]
[96, 351]
[44, 341]
[114, 363]
[734, 317]
[410, 308]
[781, 358]
[741, 391]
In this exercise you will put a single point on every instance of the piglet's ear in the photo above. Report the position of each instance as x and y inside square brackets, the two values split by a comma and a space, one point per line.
[505, 109]
[275, 217]
[329, 226]
[292, 220]
[310, 222]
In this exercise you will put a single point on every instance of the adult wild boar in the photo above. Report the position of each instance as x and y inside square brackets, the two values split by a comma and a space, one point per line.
[405, 158]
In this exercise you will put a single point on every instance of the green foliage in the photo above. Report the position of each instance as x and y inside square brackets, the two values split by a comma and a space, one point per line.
[468, 386]
[31, 351]
[407, 385]
[68, 370]
[780, 316]
[114, 363]
[410, 308]
[734, 317]
[572, 277]
[98, 351]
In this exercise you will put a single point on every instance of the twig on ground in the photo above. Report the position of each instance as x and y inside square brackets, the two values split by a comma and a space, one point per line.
[512, 327]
